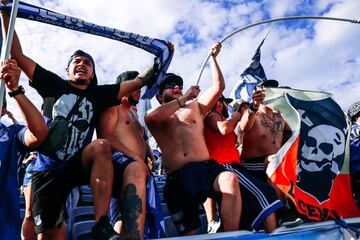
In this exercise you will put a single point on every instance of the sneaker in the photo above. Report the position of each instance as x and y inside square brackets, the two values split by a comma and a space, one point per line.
[213, 226]
[104, 231]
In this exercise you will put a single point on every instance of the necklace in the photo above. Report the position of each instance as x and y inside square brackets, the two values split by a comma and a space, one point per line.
[271, 126]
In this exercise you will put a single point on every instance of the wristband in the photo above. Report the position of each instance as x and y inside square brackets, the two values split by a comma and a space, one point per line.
[19, 90]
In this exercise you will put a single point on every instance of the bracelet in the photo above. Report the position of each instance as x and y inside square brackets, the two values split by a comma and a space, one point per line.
[179, 102]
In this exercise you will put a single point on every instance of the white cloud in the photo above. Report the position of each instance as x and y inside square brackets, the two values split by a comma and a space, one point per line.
[316, 55]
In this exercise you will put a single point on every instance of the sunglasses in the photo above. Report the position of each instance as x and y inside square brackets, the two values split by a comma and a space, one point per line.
[172, 86]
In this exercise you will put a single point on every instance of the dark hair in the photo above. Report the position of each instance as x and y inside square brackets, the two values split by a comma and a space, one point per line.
[79, 52]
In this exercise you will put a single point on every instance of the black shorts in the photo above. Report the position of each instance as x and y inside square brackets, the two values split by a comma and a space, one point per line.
[187, 188]
[259, 199]
[256, 166]
[50, 190]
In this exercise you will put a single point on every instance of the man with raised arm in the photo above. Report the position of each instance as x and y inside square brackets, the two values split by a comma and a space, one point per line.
[79, 161]
[177, 126]
[259, 199]
[15, 141]
[262, 135]
[121, 127]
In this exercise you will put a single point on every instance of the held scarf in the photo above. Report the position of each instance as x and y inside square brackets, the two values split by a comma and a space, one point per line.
[155, 46]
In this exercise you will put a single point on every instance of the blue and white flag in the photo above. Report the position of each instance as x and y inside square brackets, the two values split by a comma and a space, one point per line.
[155, 46]
[252, 76]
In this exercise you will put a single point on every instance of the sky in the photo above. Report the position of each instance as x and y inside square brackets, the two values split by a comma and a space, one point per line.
[312, 55]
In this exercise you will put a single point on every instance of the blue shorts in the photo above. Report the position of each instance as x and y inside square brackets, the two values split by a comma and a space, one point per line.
[259, 199]
[120, 161]
[187, 188]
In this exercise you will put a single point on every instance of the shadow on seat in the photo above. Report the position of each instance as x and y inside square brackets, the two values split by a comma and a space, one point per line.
[170, 228]
[82, 230]
[80, 214]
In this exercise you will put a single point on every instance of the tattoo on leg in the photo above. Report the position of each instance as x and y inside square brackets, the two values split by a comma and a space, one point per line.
[131, 208]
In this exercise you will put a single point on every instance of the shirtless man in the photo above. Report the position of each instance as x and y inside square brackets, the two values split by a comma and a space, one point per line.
[259, 198]
[121, 127]
[263, 136]
[177, 126]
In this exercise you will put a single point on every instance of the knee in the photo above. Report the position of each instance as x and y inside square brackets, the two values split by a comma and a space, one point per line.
[100, 147]
[229, 183]
[28, 216]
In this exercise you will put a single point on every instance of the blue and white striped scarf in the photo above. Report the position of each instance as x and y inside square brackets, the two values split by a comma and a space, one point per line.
[155, 46]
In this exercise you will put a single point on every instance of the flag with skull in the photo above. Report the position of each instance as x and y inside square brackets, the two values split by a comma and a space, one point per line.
[312, 167]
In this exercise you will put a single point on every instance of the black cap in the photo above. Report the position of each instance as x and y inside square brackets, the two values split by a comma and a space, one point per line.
[170, 78]
[125, 76]
[223, 98]
[269, 83]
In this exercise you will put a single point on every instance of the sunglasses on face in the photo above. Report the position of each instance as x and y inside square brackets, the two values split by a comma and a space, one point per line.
[172, 86]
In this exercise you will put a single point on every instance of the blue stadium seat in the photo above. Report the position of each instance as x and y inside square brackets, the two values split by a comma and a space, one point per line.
[203, 227]
[80, 214]
[170, 228]
[86, 190]
[22, 213]
[82, 230]
[83, 213]
[22, 201]
[165, 209]
[85, 200]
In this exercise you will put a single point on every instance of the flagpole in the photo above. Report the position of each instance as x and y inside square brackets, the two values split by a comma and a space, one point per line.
[8, 43]
[269, 21]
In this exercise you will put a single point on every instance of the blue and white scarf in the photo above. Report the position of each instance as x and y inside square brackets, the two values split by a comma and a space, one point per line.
[249, 78]
[155, 46]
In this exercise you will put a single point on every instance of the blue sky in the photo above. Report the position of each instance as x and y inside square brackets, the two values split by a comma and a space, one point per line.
[311, 55]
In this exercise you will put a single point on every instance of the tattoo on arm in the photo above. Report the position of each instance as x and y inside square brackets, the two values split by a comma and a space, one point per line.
[131, 209]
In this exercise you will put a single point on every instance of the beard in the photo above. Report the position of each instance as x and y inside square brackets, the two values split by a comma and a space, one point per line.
[80, 81]
[132, 100]
[168, 98]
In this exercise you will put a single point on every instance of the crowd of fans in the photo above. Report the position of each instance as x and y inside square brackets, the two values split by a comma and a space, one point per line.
[207, 156]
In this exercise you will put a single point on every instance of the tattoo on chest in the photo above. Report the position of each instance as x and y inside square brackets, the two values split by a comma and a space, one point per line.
[274, 126]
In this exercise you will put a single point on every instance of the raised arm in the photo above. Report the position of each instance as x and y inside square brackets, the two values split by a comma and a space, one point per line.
[26, 64]
[155, 117]
[215, 122]
[211, 95]
[36, 131]
[248, 116]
